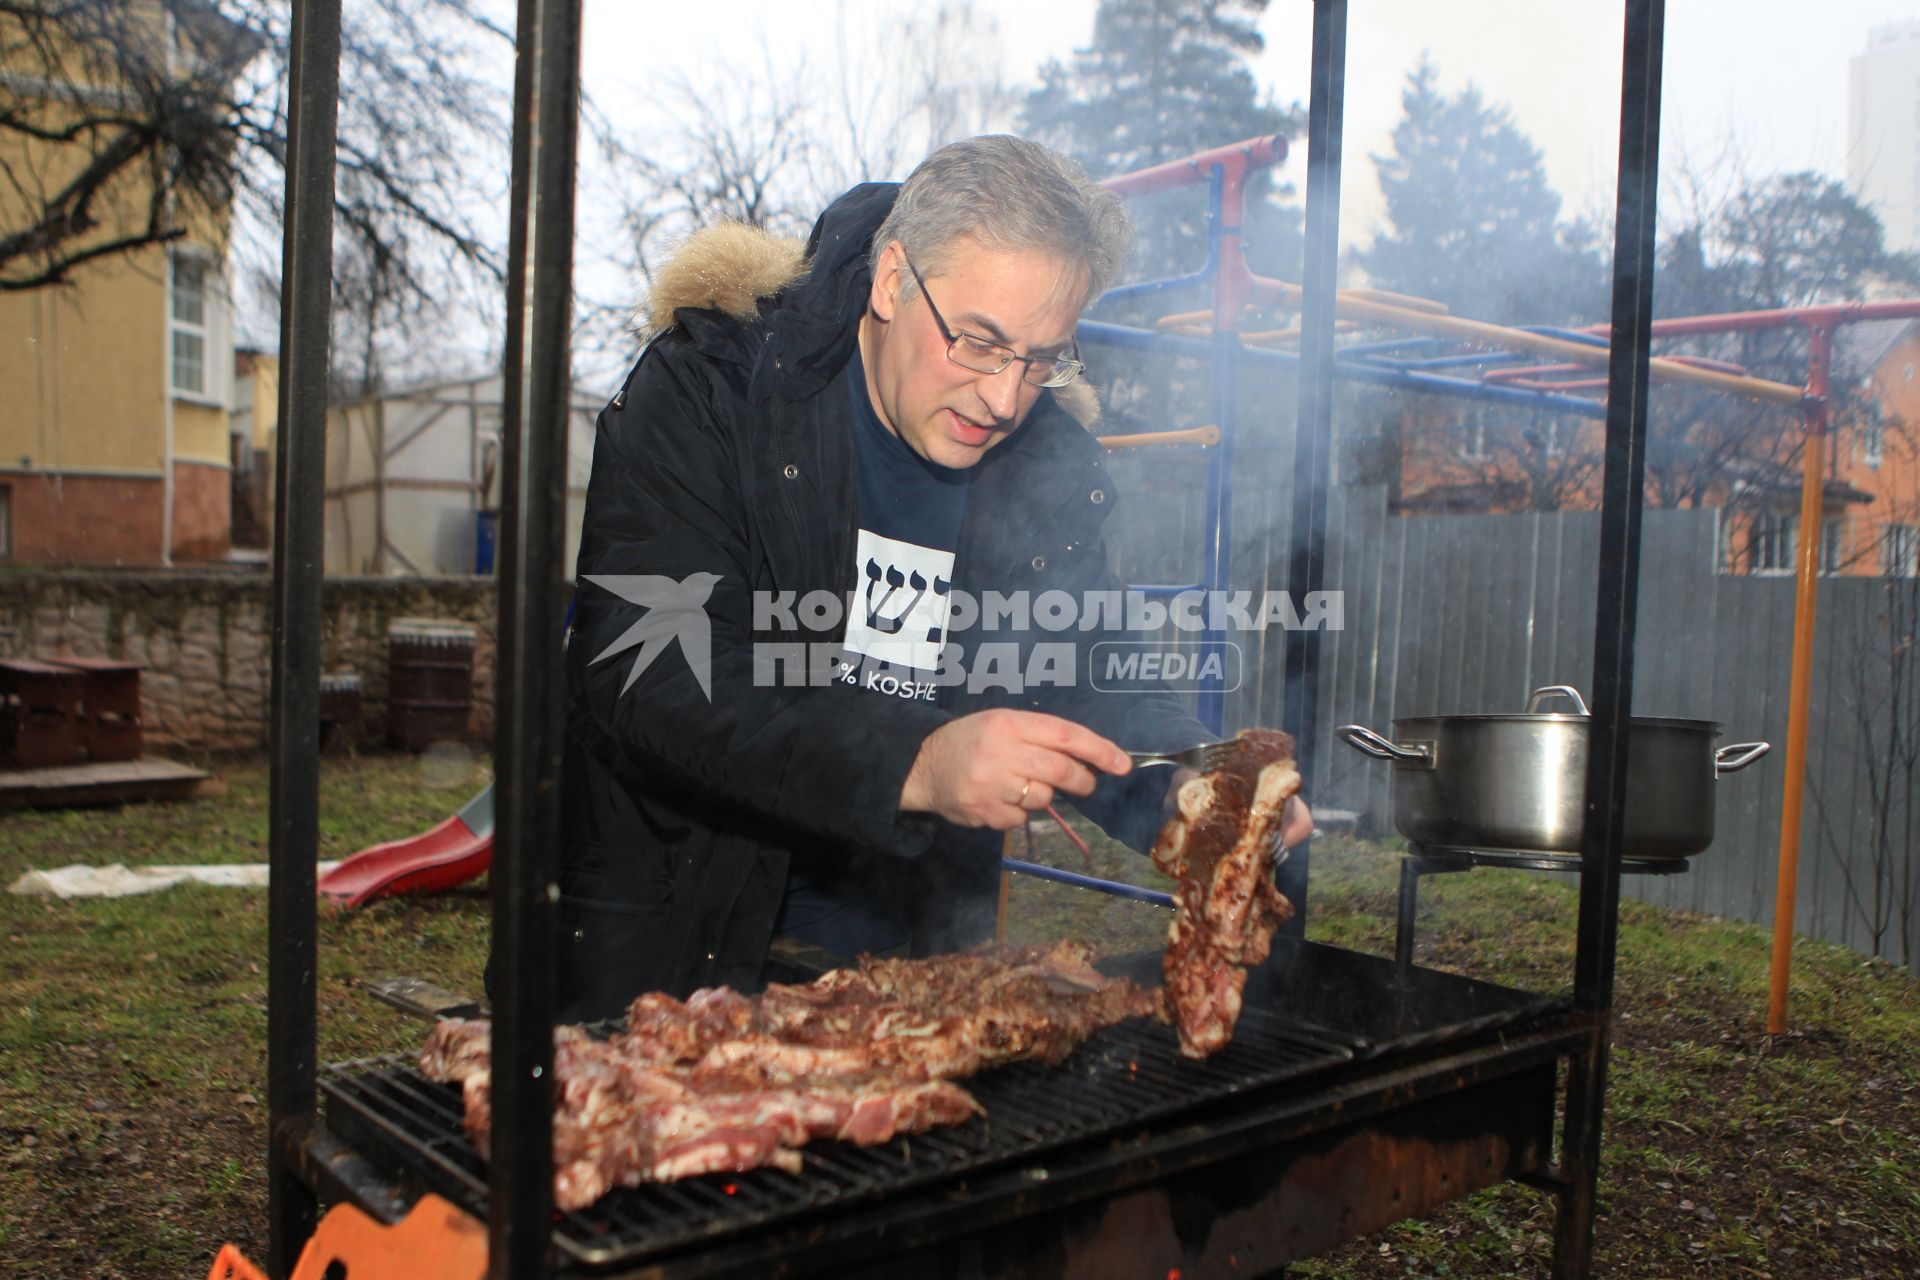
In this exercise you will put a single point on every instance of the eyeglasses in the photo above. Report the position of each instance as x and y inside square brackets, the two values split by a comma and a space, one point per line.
[971, 351]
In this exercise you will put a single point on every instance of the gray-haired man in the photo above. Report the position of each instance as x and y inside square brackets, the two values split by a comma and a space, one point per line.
[850, 442]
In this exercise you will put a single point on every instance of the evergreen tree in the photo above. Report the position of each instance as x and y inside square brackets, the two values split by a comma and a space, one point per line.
[1473, 222]
[1161, 80]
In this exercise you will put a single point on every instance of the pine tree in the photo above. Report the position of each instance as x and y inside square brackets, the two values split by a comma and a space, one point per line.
[1161, 80]
[1473, 222]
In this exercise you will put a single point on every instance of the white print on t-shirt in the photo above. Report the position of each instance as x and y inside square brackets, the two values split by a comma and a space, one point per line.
[901, 595]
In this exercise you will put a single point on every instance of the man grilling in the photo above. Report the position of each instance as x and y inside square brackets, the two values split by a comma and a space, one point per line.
[780, 722]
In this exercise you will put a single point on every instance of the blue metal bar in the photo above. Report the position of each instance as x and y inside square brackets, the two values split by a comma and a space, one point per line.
[1113, 888]
[1130, 339]
[1145, 287]
[1566, 335]
[1546, 401]
[1396, 344]
[1449, 362]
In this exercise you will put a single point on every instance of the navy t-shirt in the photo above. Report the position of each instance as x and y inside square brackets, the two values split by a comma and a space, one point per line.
[910, 514]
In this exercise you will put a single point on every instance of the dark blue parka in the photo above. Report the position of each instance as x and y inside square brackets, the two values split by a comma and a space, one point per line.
[728, 452]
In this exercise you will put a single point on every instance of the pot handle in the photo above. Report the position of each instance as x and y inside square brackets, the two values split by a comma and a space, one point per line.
[1560, 690]
[1737, 756]
[1365, 740]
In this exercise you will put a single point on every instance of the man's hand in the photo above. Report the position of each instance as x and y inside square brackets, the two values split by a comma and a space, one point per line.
[993, 768]
[1296, 822]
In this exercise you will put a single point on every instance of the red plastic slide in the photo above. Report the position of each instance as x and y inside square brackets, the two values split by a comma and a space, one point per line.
[455, 851]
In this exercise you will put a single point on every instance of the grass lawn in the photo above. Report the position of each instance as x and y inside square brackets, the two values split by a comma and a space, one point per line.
[133, 1056]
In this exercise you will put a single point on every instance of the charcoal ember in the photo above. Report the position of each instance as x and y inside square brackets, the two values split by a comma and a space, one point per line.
[1219, 850]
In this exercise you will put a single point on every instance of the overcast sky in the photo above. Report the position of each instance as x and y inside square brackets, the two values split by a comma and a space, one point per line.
[1770, 73]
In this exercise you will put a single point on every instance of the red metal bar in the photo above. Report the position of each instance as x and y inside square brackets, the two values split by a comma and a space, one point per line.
[1515, 372]
[1828, 316]
[1575, 384]
[1236, 159]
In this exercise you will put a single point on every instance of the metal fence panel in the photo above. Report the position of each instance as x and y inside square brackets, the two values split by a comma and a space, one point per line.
[1454, 614]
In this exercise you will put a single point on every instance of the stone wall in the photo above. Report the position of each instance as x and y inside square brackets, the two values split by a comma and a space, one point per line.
[204, 635]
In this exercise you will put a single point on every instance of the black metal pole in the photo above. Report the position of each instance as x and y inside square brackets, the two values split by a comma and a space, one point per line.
[1615, 613]
[293, 842]
[527, 727]
[1313, 420]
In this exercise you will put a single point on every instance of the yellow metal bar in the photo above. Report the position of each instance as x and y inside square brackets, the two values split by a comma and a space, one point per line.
[1799, 698]
[1350, 307]
[1182, 319]
[1407, 300]
[1148, 439]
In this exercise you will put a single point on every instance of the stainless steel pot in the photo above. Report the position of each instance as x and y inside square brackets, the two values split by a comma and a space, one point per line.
[1519, 781]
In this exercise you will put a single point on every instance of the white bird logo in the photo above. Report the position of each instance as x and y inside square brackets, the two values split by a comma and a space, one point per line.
[675, 610]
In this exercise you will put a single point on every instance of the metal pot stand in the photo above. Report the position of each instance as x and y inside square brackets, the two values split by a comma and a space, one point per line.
[1427, 860]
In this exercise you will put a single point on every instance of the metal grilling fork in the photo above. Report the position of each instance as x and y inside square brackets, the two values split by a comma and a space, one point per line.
[1205, 757]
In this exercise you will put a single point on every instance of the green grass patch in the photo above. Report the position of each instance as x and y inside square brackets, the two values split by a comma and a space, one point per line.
[133, 1051]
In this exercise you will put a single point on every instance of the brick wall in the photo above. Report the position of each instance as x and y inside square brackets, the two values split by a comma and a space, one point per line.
[204, 634]
[202, 511]
[81, 519]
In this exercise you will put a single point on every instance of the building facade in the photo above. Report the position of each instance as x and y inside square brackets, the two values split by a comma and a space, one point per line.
[114, 434]
[1883, 130]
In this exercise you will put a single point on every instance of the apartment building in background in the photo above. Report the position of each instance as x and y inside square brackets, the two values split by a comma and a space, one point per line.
[1883, 130]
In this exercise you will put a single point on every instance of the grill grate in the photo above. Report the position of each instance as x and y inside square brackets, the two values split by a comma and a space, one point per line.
[1122, 1077]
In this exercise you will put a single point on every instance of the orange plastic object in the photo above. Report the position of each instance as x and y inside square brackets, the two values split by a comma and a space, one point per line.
[231, 1264]
[434, 1239]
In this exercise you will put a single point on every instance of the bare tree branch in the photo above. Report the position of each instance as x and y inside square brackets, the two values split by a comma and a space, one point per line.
[122, 124]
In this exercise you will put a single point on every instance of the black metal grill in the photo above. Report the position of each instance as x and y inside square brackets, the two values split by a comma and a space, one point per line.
[1123, 1078]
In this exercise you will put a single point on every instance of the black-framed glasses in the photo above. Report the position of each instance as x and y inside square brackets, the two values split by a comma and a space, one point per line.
[971, 351]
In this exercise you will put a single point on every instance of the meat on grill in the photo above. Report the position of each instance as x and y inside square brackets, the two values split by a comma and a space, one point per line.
[722, 1082]
[1219, 849]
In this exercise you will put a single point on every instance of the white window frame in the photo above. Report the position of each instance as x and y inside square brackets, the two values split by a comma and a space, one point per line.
[1872, 426]
[1900, 550]
[214, 330]
[1772, 539]
[1833, 545]
[1558, 432]
[1474, 448]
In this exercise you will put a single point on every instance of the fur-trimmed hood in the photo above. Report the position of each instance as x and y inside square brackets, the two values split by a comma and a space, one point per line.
[729, 268]
[803, 290]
